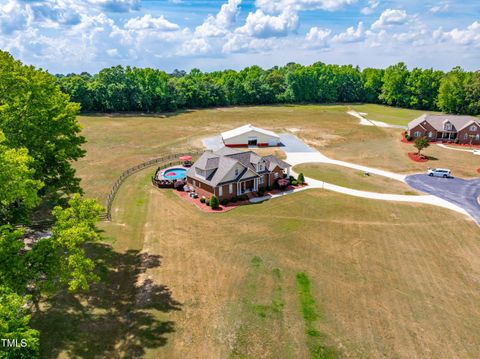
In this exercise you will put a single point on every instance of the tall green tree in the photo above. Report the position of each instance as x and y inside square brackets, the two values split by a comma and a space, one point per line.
[451, 94]
[18, 188]
[394, 89]
[472, 93]
[35, 114]
[19, 340]
[422, 87]
[372, 84]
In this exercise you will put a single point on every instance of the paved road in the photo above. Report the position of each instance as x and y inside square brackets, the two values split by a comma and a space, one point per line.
[463, 193]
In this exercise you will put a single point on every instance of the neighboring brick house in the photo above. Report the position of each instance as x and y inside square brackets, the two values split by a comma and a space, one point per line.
[228, 172]
[446, 128]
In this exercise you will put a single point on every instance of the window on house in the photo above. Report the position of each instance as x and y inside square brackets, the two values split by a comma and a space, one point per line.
[477, 137]
[417, 134]
[448, 126]
[275, 175]
[236, 171]
[466, 136]
[261, 180]
[220, 191]
[430, 134]
[230, 188]
[473, 128]
[260, 167]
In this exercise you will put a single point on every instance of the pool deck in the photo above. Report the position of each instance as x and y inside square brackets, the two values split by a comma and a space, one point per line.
[160, 174]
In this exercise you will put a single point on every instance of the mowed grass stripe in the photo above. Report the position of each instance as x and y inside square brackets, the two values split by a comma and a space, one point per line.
[309, 310]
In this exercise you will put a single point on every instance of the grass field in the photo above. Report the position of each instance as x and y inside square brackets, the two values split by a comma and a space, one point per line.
[347, 177]
[384, 279]
[116, 143]
[387, 114]
[221, 286]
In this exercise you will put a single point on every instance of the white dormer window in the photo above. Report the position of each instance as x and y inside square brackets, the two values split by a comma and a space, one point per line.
[448, 127]
[236, 171]
[473, 128]
[260, 167]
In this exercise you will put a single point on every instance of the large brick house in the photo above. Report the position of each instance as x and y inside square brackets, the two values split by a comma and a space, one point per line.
[446, 128]
[228, 172]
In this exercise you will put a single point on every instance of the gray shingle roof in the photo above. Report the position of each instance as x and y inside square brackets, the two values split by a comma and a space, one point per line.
[273, 162]
[438, 121]
[224, 160]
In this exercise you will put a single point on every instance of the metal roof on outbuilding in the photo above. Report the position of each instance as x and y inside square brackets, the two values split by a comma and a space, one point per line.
[245, 129]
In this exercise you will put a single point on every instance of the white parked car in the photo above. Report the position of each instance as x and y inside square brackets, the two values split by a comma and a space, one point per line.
[439, 172]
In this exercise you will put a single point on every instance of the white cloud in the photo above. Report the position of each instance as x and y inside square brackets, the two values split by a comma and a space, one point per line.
[302, 5]
[220, 24]
[351, 34]
[115, 5]
[149, 22]
[261, 25]
[390, 17]
[439, 8]
[317, 37]
[372, 5]
[468, 36]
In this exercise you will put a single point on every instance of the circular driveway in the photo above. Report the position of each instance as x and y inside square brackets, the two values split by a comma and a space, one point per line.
[463, 193]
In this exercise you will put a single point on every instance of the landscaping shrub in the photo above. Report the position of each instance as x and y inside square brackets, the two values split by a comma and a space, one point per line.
[244, 197]
[224, 202]
[283, 183]
[203, 199]
[291, 178]
[233, 199]
[294, 183]
[457, 141]
[261, 192]
[408, 137]
[178, 185]
[214, 203]
[207, 202]
[301, 178]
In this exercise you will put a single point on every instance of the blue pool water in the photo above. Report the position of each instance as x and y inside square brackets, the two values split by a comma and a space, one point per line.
[175, 174]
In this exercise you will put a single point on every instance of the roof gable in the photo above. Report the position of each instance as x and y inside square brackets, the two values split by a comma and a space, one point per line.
[245, 129]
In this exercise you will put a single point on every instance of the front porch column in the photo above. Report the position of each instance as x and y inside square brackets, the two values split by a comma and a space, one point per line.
[288, 171]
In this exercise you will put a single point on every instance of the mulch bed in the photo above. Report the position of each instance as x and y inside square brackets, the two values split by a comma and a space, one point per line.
[415, 157]
[204, 207]
[404, 140]
[230, 205]
[478, 170]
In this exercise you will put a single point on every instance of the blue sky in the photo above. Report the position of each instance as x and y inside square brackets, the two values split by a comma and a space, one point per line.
[87, 35]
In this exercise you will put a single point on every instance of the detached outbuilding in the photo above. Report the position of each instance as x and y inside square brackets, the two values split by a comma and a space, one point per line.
[249, 135]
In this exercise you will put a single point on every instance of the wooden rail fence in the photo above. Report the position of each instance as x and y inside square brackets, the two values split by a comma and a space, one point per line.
[164, 162]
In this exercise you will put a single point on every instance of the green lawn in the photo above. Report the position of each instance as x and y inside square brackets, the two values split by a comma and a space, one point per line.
[350, 178]
[391, 115]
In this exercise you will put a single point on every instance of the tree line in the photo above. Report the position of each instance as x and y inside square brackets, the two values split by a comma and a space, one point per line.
[132, 89]
[39, 139]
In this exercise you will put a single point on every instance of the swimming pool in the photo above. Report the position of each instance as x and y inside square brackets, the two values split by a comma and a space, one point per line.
[174, 174]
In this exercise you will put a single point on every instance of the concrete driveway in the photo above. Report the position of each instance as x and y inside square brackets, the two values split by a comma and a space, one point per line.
[463, 193]
[292, 144]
